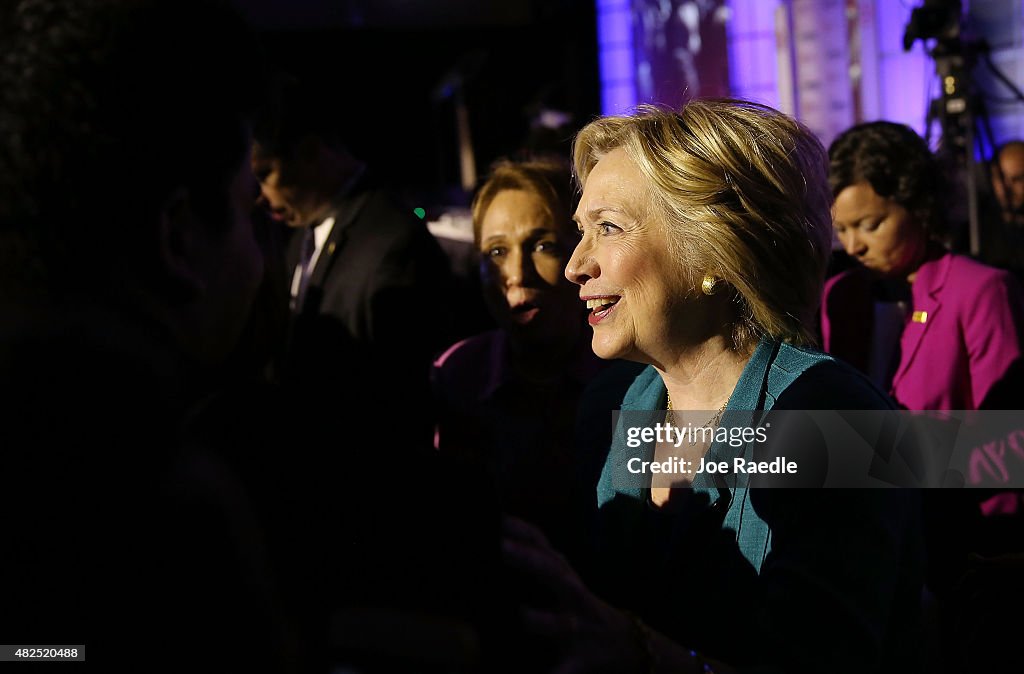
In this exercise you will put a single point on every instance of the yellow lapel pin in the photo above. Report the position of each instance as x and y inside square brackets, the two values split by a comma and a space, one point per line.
[919, 317]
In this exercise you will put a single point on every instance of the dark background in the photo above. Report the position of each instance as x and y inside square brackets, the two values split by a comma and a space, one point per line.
[378, 64]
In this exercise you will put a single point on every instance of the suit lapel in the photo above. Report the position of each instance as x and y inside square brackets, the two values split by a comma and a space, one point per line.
[931, 277]
[345, 215]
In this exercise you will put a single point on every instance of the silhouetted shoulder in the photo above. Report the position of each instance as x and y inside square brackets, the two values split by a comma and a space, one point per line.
[832, 385]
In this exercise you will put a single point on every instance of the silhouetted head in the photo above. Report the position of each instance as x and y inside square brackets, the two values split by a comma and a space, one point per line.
[125, 129]
[298, 157]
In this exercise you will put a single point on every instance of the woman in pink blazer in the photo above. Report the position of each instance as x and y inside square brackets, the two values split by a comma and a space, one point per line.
[939, 331]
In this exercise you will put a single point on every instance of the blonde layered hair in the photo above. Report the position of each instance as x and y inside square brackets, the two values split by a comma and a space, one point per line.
[547, 177]
[743, 190]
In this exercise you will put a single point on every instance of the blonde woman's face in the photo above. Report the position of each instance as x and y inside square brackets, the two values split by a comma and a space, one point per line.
[637, 291]
[522, 257]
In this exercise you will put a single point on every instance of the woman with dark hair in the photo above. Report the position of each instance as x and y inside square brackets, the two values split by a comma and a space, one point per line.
[937, 330]
[940, 332]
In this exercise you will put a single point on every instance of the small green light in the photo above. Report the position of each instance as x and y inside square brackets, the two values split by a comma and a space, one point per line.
[420, 213]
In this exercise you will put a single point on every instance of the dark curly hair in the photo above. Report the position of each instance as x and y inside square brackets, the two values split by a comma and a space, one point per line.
[898, 165]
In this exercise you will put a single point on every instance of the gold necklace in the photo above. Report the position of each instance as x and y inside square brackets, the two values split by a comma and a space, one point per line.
[713, 421]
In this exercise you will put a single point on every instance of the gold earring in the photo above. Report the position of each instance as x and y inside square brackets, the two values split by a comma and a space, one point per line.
[708, 284]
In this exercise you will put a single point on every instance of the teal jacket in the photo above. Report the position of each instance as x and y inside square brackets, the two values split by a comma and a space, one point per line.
[770, 371]
[773, 580]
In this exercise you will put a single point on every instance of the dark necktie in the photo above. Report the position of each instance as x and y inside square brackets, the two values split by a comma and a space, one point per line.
[304, 268]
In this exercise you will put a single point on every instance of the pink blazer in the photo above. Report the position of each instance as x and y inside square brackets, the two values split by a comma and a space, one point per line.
[953, 354]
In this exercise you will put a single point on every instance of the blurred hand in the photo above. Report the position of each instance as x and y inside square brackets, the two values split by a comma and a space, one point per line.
[589, 635]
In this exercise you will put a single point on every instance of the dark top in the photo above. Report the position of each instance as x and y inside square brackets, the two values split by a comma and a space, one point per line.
[519, 432]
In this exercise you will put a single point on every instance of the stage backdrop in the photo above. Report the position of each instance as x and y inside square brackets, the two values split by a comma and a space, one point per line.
[679, 50]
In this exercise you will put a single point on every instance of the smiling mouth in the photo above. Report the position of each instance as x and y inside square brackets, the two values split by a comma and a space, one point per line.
[600, 307]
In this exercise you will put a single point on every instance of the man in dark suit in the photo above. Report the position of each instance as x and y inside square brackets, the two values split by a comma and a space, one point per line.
[371, 289]
[366, 512]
